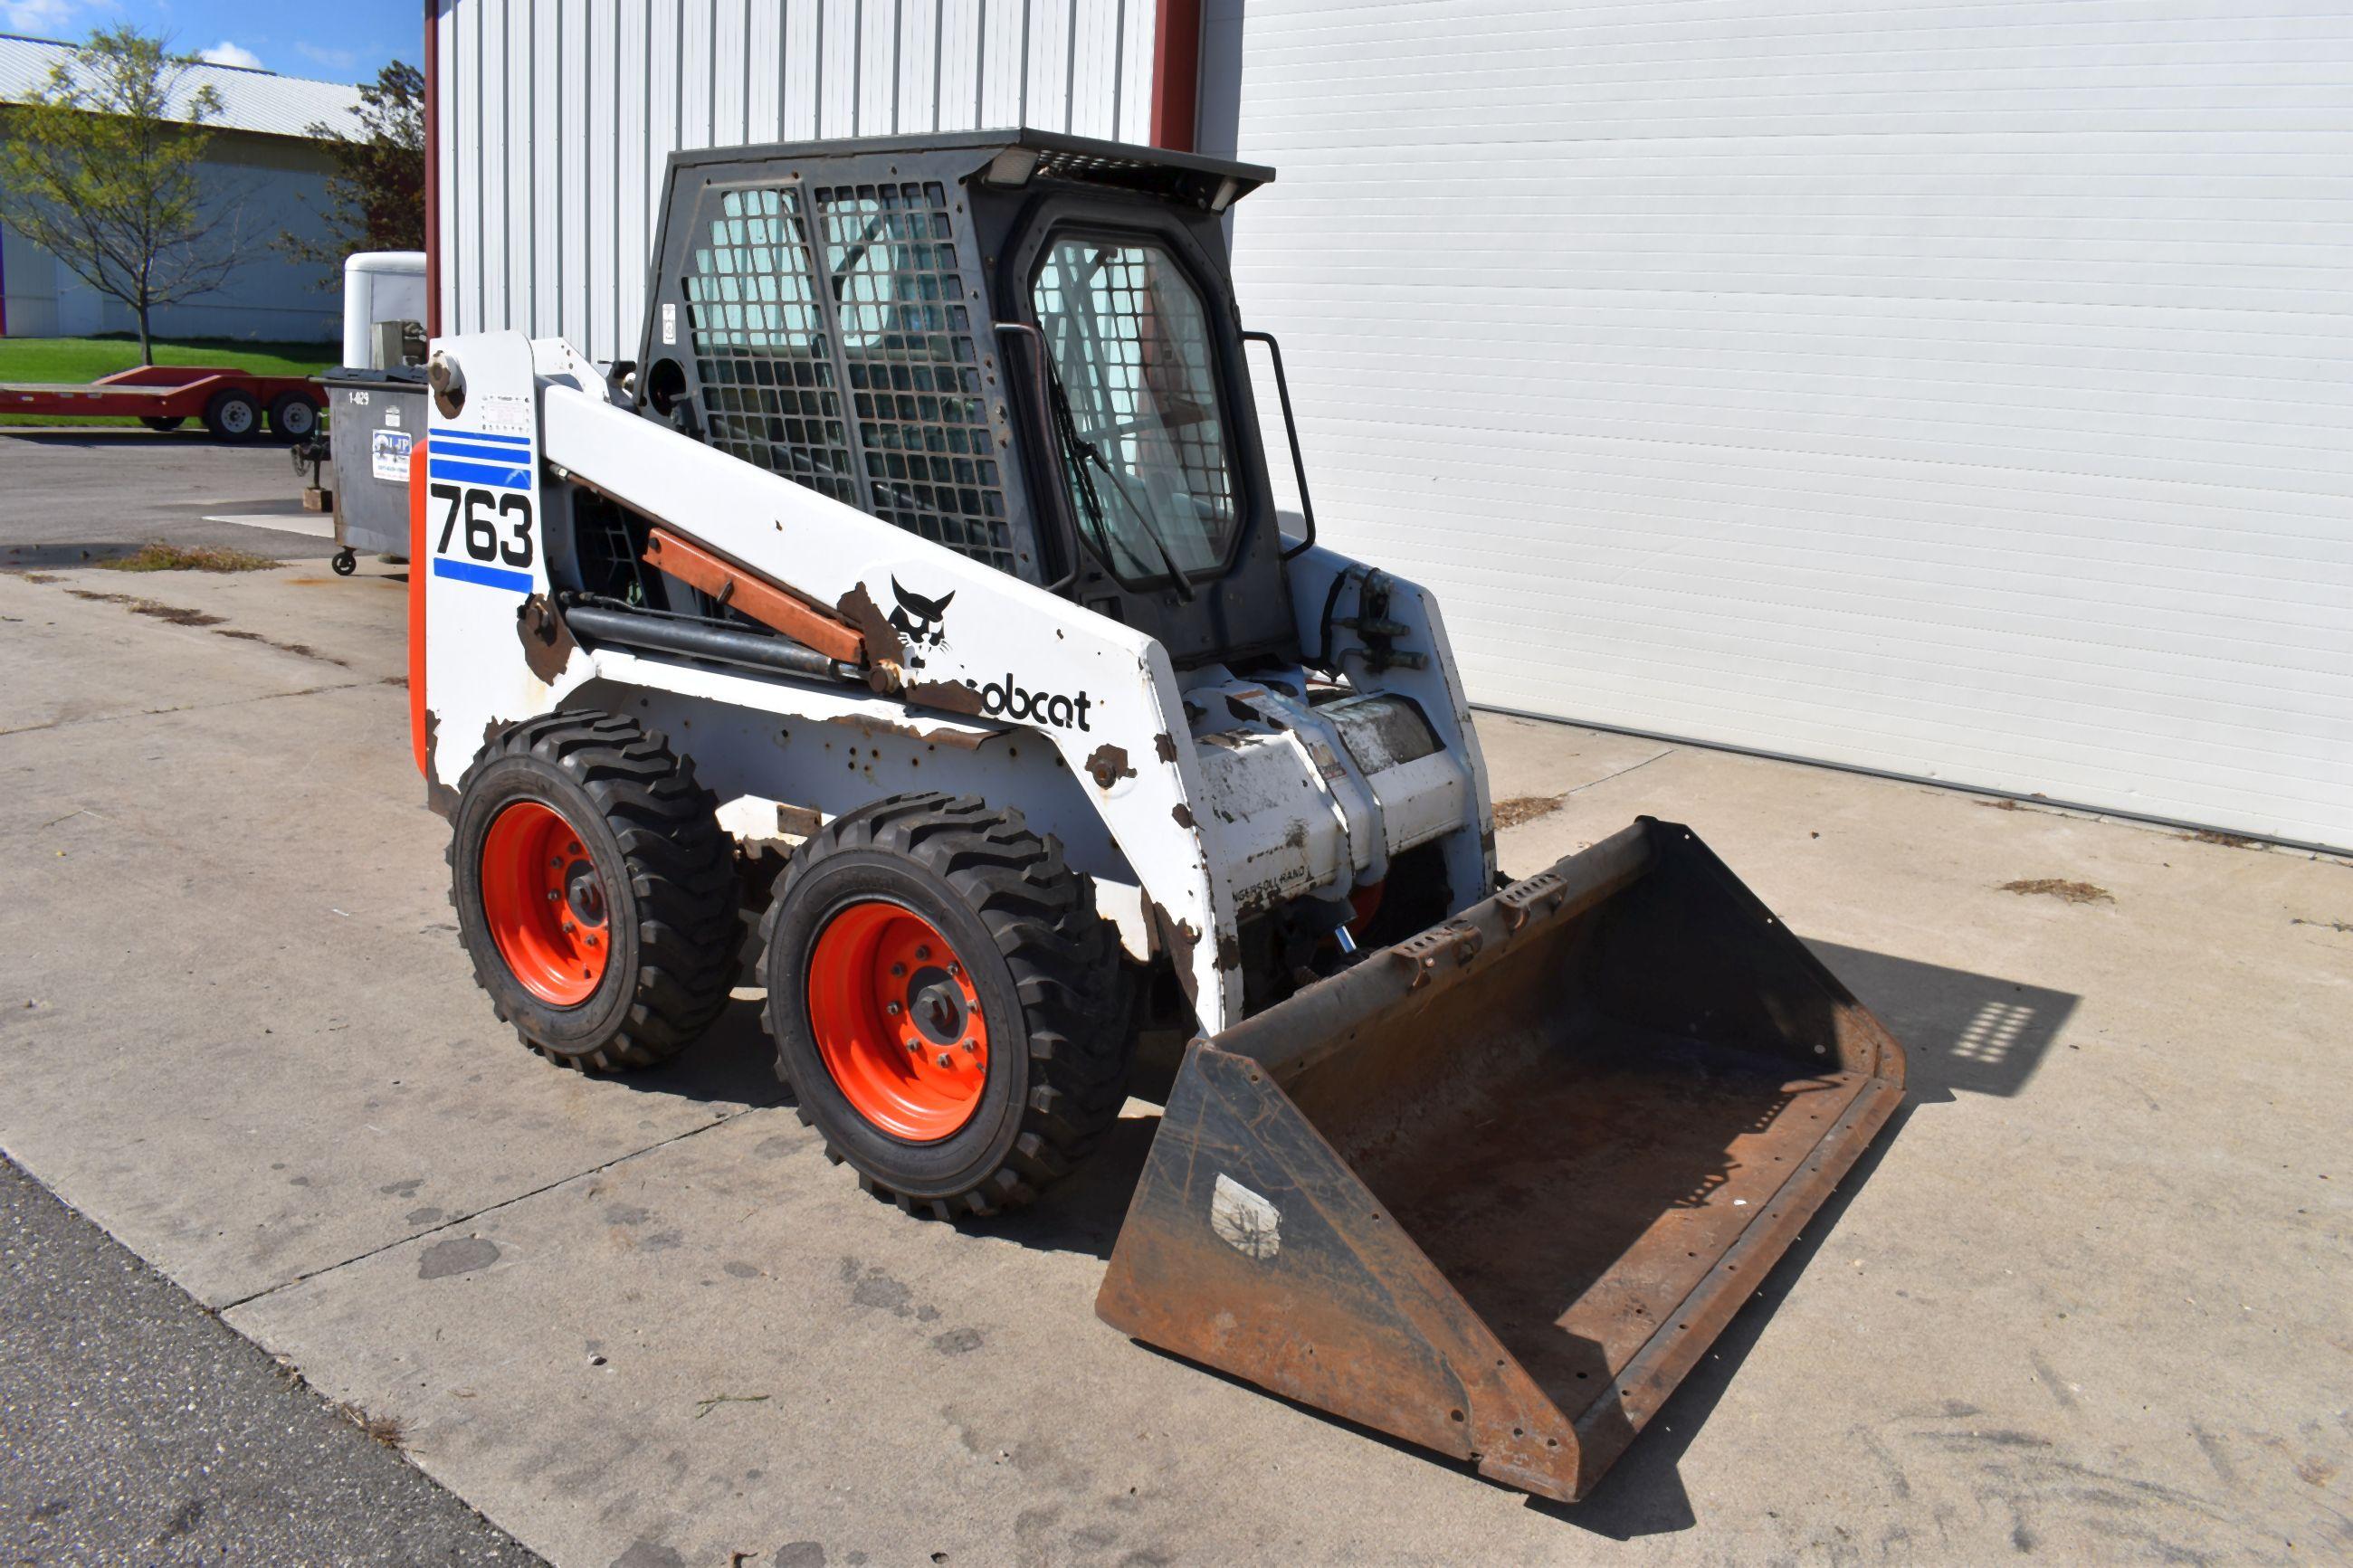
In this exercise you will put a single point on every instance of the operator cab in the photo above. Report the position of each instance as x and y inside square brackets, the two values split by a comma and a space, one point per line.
[1021, 345]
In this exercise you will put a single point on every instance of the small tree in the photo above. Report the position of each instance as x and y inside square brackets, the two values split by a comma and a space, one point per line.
[99, 169]
[376, 198]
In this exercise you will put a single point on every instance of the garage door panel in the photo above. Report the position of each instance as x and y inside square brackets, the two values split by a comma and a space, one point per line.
[1958, 390]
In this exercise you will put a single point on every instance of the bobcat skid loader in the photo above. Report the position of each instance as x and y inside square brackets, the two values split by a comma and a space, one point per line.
[918, 599]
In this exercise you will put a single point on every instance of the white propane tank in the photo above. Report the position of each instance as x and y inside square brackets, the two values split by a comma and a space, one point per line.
[379, 285]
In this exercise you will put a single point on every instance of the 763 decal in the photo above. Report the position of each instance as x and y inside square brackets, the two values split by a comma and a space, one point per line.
[481, 483]
[497, 525]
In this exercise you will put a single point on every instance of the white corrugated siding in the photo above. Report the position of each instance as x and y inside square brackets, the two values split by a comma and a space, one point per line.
[1955, 390]
[555, 116]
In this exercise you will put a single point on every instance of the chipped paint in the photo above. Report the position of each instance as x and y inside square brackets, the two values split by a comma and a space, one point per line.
[952, 696]
[884, 643]
[547, 644]
[1183, 814]
[440, 798]
[1177, 939]
[1164, 746]
[961, 740]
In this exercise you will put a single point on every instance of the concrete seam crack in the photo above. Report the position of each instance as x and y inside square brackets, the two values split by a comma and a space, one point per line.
[1622, 773]
[227, 1307]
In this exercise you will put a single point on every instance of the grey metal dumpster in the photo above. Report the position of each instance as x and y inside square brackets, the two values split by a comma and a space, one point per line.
[377, 415]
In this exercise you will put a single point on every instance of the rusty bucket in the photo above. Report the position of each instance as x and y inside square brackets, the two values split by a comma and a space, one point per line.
[1495, 1189]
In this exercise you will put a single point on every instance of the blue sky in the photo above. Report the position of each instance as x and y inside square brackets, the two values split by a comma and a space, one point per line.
[332, 40]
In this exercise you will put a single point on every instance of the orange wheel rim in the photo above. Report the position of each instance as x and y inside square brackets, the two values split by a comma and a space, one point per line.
[545, 903]
[898, 1021]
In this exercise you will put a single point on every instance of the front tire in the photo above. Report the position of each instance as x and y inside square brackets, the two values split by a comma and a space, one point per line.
[595, 890]
[946, 1004]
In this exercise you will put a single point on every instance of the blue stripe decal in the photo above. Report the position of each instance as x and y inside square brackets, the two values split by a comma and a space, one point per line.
[448, 435]
[487, 576]
[496, 456]
[504, 449]
[500, 476]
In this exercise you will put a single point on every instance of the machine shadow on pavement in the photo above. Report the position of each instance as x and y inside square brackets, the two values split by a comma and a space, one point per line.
[733, 1062]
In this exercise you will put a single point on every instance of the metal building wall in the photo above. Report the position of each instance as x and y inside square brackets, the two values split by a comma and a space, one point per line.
[1962, 389]
[553, 119]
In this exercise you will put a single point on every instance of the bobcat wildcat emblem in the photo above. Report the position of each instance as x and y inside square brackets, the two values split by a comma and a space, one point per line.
[920, 621]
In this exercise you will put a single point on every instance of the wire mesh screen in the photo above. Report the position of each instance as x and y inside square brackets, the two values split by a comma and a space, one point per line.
[913, 371]
[1131, 346]
[770, 391]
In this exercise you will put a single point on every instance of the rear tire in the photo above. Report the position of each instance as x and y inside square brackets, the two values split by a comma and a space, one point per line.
[293, 416]
[1037, 988]
[233, 416]
[621, 954]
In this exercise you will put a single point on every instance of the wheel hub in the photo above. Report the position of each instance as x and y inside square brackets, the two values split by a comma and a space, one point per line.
[544, 903]
[898, 1021]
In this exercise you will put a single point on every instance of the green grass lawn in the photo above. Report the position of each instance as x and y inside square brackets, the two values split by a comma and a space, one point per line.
[86, 359]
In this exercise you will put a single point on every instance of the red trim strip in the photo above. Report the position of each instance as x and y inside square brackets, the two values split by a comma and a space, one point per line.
[432, 169]
[1175, 73]
[419, 570]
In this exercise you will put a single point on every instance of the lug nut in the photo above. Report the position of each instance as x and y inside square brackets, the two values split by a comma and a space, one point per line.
[955, 968]
[554, 897]
[573, 849]
[923, 952]
[893, 1008]
[947, 1060]
[569, 928]
[972, 1047]
[897, 970]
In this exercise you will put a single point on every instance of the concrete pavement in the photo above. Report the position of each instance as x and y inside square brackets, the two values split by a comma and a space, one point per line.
[2085, 1302]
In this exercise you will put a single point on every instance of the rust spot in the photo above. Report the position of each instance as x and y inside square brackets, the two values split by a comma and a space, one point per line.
[1164, 746]
[1229, 952]
[884, 643]
[952, 695]
[1108, 764]
[547, 644]
[1183, 814]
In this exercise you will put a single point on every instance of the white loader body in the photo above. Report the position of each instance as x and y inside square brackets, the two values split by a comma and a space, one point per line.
[1193, 799]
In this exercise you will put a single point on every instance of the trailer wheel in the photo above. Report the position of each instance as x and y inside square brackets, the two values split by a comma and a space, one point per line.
[232, 415]
[159, 423]
[595, 890]
[293, 416]
[945, 1003]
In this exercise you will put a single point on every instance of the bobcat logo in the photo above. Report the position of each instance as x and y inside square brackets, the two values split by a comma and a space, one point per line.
[920, 622]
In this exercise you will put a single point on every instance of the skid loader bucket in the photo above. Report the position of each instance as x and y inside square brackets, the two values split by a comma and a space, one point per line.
[1495, 1189]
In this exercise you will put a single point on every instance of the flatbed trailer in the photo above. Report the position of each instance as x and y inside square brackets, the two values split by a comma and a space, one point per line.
[231, 402]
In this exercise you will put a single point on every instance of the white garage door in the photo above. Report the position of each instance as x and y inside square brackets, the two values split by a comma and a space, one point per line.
[1955, 390]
